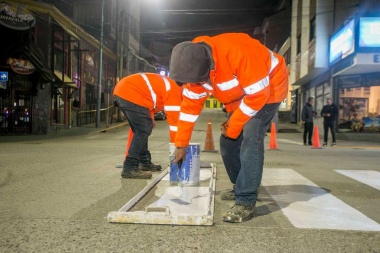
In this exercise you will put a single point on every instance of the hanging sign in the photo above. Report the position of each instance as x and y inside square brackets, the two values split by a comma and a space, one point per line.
[22, 67]
[16, 17]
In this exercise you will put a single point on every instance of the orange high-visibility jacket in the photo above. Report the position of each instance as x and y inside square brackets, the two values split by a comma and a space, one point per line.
[244, 76]
[155, 93]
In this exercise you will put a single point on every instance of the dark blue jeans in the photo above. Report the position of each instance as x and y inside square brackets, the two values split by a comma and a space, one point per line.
[243, 158]
[140, 121]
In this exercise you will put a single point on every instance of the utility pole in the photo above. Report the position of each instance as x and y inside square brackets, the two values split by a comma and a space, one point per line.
[98, 105]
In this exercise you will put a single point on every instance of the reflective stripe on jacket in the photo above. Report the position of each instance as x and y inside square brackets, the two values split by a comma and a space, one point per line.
[155, 93]
[245, 76]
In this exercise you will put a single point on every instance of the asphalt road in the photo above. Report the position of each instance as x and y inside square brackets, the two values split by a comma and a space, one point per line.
[56, 192]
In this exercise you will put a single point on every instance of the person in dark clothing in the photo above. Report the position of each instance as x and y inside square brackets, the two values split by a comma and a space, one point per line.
[329, 113]
[307, 120]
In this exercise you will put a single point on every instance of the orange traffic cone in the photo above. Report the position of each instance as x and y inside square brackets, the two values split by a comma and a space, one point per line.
[316, 143]
[130, 136]
[209, 142]
[273, 141]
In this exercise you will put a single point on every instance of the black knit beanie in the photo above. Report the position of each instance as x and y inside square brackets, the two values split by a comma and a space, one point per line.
[189, 63]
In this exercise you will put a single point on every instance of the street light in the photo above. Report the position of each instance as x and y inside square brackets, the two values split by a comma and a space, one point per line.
[98, 104]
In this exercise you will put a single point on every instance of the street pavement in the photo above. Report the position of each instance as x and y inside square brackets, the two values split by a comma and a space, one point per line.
[57, 190]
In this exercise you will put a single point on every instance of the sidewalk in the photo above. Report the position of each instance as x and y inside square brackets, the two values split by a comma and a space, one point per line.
[74, 131]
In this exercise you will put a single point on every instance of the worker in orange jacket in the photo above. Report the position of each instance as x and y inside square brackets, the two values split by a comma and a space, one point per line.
[251, 81]
[139, 96]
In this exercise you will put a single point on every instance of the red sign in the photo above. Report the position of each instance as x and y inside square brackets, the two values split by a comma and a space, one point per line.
[22, 67]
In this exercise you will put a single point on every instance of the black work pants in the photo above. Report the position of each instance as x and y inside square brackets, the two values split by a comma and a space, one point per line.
[308, 132]
[326, 126]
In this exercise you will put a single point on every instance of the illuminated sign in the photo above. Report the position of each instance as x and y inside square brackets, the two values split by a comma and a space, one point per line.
[342, 44]
[20, 66]
[16, 16]
[369, 32]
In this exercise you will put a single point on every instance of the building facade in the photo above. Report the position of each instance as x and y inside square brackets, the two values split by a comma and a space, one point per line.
[334, 49]
[50, 63]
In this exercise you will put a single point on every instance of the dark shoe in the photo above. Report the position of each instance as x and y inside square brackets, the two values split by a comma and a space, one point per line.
[239, 213]
[325, 144]
[138, 174]
[310, 144]
[333, 144]
[228, 195]
[150, 167]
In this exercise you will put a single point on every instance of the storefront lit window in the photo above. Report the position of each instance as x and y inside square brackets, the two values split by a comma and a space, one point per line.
[359, 109]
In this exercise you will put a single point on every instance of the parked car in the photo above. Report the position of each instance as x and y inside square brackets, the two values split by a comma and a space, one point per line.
[160, 115]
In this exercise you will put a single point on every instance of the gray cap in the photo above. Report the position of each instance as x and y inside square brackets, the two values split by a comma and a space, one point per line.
[189, 63]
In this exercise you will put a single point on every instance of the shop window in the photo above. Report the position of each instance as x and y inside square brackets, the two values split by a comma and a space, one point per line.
[90, 95]
[299, 44]
[312, 28]
[359, 109]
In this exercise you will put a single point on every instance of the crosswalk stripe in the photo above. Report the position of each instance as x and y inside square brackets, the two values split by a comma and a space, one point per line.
[368, 177]
[306, 205]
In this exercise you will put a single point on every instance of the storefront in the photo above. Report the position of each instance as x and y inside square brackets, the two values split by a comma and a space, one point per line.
[16, 105]
[355, 61]
[19, 76]
[359, 103]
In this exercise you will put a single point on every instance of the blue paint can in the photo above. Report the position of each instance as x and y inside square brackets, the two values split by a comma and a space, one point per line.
[188, 174]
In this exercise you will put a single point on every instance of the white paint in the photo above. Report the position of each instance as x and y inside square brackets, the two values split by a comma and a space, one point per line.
[193, 200]
[204, 175]
[289, 141]
[308, 206]
[175, 191]
[368, 177]
[194, 206]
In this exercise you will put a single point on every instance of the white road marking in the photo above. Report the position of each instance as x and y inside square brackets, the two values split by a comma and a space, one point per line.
[368, 177]
[289, 141]
[308, 206]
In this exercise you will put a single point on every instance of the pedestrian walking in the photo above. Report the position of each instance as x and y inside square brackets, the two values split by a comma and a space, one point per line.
[329, 113]
[251, 81]
[307, 116]
[138, 97]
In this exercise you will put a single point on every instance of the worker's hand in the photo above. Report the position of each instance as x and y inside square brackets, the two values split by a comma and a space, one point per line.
[223, 128]
[303, 122]
[153, 123]
[180, 154]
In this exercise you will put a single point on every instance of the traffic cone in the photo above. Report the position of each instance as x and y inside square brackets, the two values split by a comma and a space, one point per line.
[130, 136]
[316, 143]
[209, 142]
[273, 141]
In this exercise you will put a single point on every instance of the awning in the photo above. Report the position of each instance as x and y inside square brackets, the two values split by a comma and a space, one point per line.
[361, 63]
[33, 53]
[66, 29]
[64, 80]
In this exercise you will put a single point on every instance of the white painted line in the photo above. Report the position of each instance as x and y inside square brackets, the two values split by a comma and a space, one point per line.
[368, 177]
[289, 141]
[308, 206]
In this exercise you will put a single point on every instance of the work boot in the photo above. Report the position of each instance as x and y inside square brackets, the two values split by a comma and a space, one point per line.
[239, 213]
[333, 144]
[150, 167]
[228, 194]
[137, 174]
[325, 144]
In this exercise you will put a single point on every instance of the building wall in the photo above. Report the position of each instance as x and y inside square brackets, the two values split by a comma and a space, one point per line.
[310, 70]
